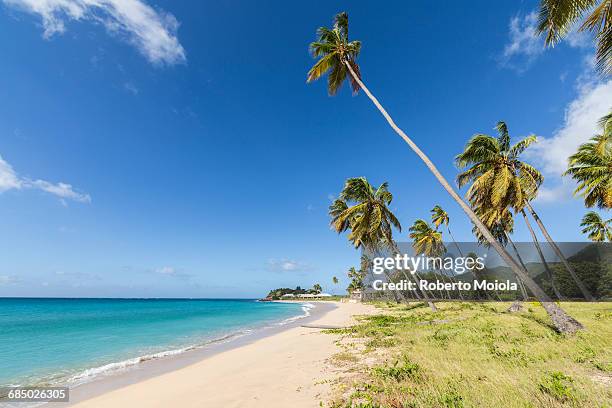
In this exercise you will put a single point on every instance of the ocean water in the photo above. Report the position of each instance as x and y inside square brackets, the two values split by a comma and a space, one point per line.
[71, 341]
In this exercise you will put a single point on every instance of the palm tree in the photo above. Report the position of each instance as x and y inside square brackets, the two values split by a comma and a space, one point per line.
[369, 219]
[317, 288]
[334, 281]
[597, 229]
[591, 167]
[501, 224]
[439, 217]
[501, 180]
[427, 241]
[558, 17]
[337, 55]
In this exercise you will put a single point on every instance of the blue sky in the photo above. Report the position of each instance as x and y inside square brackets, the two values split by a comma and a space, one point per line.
[174, 148]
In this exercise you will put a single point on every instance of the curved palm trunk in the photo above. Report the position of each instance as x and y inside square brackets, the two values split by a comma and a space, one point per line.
[454, 242]
[444, 281]
[518, 256]
[537, 245]
[585, 292]
[452, 278]
[562, 321]
[395, 251]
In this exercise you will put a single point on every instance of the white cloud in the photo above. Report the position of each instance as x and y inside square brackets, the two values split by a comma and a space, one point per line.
[61, 190]
[10, 180]
[131, 88]
[581, 116]
[173, 272]
[166, 270]
[8, 280]
[524, 43]
[579, 39]
[152, 31]
[8, 177]
[559, 192]
[286, 265]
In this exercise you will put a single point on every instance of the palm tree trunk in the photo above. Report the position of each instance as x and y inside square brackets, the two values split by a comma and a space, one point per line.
[537, 245]
[562, 321]
[454, 242]
[585, 292]
[518, 256]
[395, 250]
[460, 253]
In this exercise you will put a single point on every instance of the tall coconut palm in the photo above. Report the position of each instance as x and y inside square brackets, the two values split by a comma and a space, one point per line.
[368, 218]
[336, 55]
[427, 241]
[501, 180]
[597, 229]
[558, 17]
[440, 217]
[591, 167]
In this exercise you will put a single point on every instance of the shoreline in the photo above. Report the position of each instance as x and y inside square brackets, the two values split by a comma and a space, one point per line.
[275, 367]
[171, 360]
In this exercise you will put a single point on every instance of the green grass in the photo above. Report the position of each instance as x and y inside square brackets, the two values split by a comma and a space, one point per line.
[481, 356]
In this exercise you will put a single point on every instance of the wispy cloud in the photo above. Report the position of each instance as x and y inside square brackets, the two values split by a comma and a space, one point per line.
[524, 45]
[8, 280]
[131, 88]
[173, 272]
[286, 265]
[77, 275]
[10, 180]
[151, 31]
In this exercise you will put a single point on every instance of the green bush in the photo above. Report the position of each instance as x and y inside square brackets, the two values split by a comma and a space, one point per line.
[400, 372]
[558, 385]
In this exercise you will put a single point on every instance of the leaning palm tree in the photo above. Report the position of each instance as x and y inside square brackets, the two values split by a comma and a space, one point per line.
[337, 56]
[501, 180]
[550, 274]
[439, 217]
[597, 229]
[558, 17]
[427, 241]
[591, 167]
[368, 218]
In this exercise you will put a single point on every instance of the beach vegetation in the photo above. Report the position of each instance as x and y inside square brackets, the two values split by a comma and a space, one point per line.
[477, 355]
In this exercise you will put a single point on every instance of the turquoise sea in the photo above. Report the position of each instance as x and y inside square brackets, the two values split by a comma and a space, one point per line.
[61, 341]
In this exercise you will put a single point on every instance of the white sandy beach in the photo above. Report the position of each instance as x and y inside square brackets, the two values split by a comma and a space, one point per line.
[285, 369]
